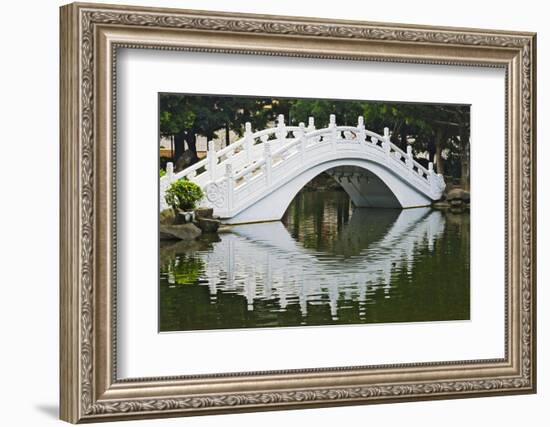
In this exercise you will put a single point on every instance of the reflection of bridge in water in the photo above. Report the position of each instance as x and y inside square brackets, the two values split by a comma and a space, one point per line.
[264, 262]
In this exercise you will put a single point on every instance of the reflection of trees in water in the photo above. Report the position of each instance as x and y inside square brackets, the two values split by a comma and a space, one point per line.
[183, 269]
[332, 225]
[315, 223]
[460, 224]
[178, 259]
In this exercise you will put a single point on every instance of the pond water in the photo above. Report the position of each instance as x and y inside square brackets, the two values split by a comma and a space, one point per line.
[325, 263]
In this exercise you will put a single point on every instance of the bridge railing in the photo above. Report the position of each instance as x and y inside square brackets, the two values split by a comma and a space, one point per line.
[239, 153]
[249, 163]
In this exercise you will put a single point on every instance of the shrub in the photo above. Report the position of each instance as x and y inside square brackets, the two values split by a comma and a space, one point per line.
[183, 195]
[162, 172]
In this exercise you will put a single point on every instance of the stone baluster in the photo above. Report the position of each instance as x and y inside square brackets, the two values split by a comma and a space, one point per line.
[310, 124]
[248, 141]
[268, 162]
[280, 133]
[169, 171]
[386, 141]
[165, 183]
[409, 160]
[333, 132]
[361, 127]
[432, 177]
[311, 128]
[211, 160]
[230, 185]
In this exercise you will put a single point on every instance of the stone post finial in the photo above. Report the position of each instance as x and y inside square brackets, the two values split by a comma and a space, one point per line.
[409, 160]
[310, 124]
[386, 141]
[280, 131]
[360, 122]
[248, 140]
[332, 120]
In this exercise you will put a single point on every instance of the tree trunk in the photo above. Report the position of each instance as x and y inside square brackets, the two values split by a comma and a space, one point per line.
[227, 136]
[183, 157]
[179, 146]
[173, 157]
[191, 139]
[431, 150]
[403, 144]
[439, 162]
[465, 161]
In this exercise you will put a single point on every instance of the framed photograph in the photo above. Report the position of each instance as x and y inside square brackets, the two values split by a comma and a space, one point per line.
[268, 212]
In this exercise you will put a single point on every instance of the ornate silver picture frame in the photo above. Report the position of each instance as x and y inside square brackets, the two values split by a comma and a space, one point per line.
[91, 35]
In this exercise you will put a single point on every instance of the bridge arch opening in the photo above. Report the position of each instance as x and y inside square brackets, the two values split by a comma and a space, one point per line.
[323, 217]
[362, 187]
[368, 184]
[358, 188]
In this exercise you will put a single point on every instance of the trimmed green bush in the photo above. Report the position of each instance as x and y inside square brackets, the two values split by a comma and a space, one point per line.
[183, 195]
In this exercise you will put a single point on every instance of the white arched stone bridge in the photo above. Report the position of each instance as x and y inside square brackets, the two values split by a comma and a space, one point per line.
[255, 178]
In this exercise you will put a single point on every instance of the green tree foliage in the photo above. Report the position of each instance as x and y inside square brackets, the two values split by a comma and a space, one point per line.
[321, 109]
[187, 116]
[431, 128]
